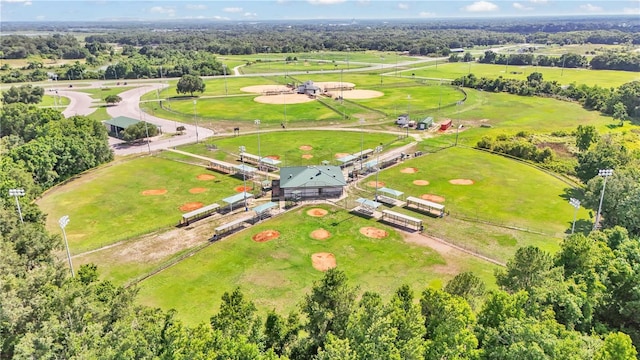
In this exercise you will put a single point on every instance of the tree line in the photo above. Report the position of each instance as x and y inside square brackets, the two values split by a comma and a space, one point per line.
[607, 61]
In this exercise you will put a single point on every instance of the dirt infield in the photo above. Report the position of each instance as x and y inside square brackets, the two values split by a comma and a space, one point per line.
[306, 147]
[409, 170]
[323, 261]
[320, 234]
[274, 157]
[431, 197]
[242, 188]
[307, 156]
[316, 212]
[283, 99]
[341, 155]
[372, 232]
[205, 177]
[333, 84]
[461, 182]
[420, 182]
[154, 192]
[266, 235]
[190, 206]
[197, 190]
[376, 184]
[361, 94]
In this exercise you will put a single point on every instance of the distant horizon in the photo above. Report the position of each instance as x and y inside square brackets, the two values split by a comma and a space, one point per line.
[113, 11]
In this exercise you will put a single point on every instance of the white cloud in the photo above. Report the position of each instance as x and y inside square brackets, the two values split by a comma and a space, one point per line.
[632, 11]
[426, 14]
[481, 6]
[196, 7]
[539, 1]
[403, 6]
[41, 17]
[232, 9]
[325, 2]
[364, 2]
[23, 2]
[250, 15]
[519, 6]
[217, 17]
[163, 10]
[590, 8]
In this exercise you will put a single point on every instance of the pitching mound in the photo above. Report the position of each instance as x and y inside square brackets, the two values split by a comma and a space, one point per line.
[266, 235]
[307, 156]
[260, 89]
[372, 232]
[420, 182]
[154, 192]
[323, 261]
[431, 197]
[190, 206]
[409, 170]
[341, 155]
[375, 184]
[461, 182]
[320, 234]
[306, 148]
[197, 190]
[316, 212]
[205, 177]
[242, 188]
[274, 157]
[361, 94]
[283, 99]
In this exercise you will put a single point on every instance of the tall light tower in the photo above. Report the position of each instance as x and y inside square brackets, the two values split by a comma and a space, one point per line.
[195, 118]
[244, 176]
[63, 222]
[361, 121]
[224, 68]
[576, 204]
[604, 173]
[16, 193]
[257, 122]
[378, 150]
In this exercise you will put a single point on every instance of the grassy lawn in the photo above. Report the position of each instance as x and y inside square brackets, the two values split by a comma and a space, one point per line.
[501, 194]
[102, 93]
[299, 65]
[276, 274]
[603, 78]
[326, 144]
[106, 205]
[378, 57]
[48, 100]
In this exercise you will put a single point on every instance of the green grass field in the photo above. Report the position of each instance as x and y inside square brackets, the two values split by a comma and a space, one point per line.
[500, 195]
[106, 205]
[102, 93]
[48, 100]
[326, 144]
[276, 274]
[603, 78]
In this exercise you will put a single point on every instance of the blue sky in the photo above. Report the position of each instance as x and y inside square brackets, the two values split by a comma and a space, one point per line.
[257, 10]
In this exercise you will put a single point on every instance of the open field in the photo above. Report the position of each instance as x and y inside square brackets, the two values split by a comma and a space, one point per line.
[107, 205]
[603, 78]
[325, 145]
[385, 57]
[100, 94]
[498, 195]
[277, 273]
[48, 100]
[298, 65]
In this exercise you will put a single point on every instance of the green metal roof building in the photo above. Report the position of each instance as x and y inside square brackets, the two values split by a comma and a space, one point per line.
[311, 182]
[117, 124]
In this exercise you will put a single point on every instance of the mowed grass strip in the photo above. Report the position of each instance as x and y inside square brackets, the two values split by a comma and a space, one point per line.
[602, 78]
[106, 205]
[277, 274]
[504, 191]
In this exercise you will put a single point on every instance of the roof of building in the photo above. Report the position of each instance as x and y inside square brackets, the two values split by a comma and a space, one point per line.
[311, 176]
[121, 121]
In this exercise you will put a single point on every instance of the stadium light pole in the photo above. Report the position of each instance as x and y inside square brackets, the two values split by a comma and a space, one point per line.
[378, 151]
[457, 131]
[361, 121]
[63, 222]
[604, 173]
[224, 68]
[257, 122]
[16, 193]
[244, 177]
[195, 118]
[576, 205]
